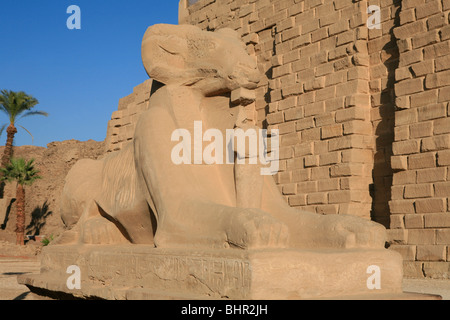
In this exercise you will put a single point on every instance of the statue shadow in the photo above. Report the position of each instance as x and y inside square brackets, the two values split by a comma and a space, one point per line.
[38, 219]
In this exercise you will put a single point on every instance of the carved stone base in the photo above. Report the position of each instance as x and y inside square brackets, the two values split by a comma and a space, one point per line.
[143, 272]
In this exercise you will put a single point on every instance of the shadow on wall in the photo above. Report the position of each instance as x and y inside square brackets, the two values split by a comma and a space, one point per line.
[8, 211]
[38, 219]
[382, 172]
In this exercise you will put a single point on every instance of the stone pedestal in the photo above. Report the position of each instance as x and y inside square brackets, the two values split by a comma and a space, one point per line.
[143, 272]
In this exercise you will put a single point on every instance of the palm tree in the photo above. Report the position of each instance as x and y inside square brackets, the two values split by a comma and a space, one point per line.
[16, 105]
[24, 174]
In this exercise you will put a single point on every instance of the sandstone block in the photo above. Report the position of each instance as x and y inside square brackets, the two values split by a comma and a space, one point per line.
[422, 129]
[431, 253]
[316, 108]
[421, 237]
[422, 161]
[358, 127]
[346, 196]
[290, 189]
[298, 200]
[307, 187]
[436, 21]
[433, 111]
[431, 205]
[406, 31]
[406, 147]
[327, 209]
[437, 270]
[326, 119]
[311, 135]
[338, 27]
[304, 149]
[402, 207]
[397, 236]
[350, 142]
[437, 220]
[432, 175]
[397, 221]
[413, 269]
[311, 161]
[444, 94]
[317, 198]
[424, 98]
[294, 114]
[354, 183]
[443, 236]
[275, 118]
[442, 189]
[407, 87]
[436, 143]
[407, 15]
[419, 191]
[442, 63]
[350, 114]
[443, 158]
[439, 49]
[425, 39]
[428, 9]
[437, 80]
[414, 221]
[399, 163]
[332, 131]
[329, 158]
[401, 133]
[411, 57]
[404, 177]
[408, 253]
[288, 103]
[406, 117]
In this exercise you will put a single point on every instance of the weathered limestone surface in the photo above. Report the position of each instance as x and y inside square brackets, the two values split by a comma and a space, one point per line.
[142, 272]
[142, 225]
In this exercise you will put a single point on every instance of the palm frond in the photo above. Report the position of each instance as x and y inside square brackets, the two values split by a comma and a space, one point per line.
[20, 171]
[34, 113]
[32, 138]
[16, 103]
[3, 129]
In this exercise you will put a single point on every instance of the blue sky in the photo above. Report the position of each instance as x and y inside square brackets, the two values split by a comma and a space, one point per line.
[78, 76]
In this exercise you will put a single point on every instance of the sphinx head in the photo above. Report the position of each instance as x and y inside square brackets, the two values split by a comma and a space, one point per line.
[215, 62]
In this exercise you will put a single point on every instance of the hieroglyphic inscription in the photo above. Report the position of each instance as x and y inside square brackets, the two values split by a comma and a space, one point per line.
[216, 273]
[220, 275]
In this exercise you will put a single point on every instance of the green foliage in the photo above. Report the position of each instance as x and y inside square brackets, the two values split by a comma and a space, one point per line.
[46, 241]
[20, 171]
[18, 105]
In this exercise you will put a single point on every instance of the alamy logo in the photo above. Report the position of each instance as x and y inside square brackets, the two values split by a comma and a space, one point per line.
[374, 21]
[74, 281]
[74, 21]
[234, 150]
[374, 281]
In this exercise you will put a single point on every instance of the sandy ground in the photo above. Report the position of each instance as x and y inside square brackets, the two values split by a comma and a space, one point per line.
[11, 267]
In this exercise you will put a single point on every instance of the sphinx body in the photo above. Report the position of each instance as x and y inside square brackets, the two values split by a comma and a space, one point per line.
[140, 195]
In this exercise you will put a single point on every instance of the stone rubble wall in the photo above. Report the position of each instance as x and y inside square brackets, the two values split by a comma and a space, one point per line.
[123, 121]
